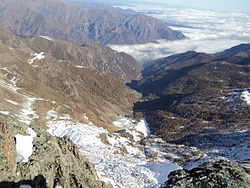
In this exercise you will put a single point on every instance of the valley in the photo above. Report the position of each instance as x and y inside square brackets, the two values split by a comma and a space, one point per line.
[74, 112]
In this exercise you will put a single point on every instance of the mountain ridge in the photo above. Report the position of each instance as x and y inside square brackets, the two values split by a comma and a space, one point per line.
[101, 58]
[76, 24]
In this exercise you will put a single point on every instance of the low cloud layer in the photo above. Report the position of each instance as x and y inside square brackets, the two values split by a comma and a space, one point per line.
[207, 31]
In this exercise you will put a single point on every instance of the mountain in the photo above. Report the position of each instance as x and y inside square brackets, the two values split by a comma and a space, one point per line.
[38, 79]
[242, 50]
[45, 101]
[71, 22]
[196, 93]
[238, 54]
[54, 112]
[98, 57]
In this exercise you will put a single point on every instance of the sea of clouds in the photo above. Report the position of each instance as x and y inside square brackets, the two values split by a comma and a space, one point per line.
[207, 31]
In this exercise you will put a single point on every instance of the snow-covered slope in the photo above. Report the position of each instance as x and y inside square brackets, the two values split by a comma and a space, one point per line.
[118, 157]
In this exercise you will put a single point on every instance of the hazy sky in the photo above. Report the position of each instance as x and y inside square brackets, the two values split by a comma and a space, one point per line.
[204, 4]
[210, 4]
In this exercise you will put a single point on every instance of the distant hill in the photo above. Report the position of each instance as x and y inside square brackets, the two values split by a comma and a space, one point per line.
[71, 22]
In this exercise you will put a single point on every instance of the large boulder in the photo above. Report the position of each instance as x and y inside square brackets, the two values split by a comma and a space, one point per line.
[221, 174]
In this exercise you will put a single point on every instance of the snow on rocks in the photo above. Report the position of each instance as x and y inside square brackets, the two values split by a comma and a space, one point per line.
[245, 96]
[32, 133]
[46, 37]
[4, 112]
[117, 159]
[27, 114]
[24, 145]
[137, 129]
[51, 115]
[239, 95]
[12, 102]
[231, 146]
[6, 83]
[143, 127]
[39, 56]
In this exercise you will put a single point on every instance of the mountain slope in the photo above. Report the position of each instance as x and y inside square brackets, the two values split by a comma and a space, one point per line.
[38, 83]
[76, 24]
[101, 58]
[195, 93]
[91, 108]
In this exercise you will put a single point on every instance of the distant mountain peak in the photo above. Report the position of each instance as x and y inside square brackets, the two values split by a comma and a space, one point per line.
[79, 25]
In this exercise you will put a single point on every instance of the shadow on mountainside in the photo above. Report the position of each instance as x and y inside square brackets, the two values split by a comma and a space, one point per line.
[38, 182]
[161, 103]
[229, 140]
[156, 84]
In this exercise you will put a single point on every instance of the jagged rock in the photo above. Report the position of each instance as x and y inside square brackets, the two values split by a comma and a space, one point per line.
[221, 174]
[54, 162]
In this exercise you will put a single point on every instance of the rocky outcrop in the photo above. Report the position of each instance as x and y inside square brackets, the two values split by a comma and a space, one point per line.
[54, 162]
[210, 175]
[29, 18]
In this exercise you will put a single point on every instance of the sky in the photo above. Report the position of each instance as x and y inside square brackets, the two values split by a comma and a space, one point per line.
[210, 4]
[204, 4]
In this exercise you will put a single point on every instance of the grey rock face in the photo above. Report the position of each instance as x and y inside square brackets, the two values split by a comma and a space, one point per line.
[54, 162]
[76, 24]
[211, 175]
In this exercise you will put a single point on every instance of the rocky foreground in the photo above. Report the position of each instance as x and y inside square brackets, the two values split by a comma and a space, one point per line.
[219, 174]
[54, 161]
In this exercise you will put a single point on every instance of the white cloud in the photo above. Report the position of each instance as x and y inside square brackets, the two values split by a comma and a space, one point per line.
[208, 31]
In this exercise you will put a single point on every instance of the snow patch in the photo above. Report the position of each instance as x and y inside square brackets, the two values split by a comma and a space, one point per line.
[137, 129]
[12, 102]
[65, 117]
[46, 37]
[162, 170]
[78, 66]
[245, 96]
[39, 56]
[238, 95]
[58, 186]
[143, 127]
[4, 112]
[24, 145]
[27, 114]
[8, 84]
[51, 115]
[31, 132]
